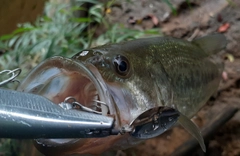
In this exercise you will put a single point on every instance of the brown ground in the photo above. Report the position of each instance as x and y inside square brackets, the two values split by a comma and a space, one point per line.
[202, 18]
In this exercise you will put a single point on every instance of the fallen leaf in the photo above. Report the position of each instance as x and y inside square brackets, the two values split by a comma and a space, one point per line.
[154, 19]
[230, 57]
[225, 75]
[108, 11]
[224, 27]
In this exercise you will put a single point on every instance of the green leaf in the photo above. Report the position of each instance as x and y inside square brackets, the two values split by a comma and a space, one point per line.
[21, 30]
[50, 49]
[82, 20]
[174, 10]
[13, 40]
[88, 1]
[6, 37]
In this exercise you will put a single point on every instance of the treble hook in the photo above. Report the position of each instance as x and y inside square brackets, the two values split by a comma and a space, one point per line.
[14, 73]
[73, 101]
[101, 103]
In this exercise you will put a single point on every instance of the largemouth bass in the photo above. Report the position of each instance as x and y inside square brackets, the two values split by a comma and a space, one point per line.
[127, 80]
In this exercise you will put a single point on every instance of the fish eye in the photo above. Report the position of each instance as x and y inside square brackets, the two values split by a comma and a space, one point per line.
[121, 65]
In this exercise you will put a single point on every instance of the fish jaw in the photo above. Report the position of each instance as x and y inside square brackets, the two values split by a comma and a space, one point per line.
[58, 78]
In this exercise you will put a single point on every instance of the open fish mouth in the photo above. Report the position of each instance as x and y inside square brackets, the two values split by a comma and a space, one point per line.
[60, 79]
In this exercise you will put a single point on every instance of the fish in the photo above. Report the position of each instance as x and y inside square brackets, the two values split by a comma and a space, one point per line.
[129, 81]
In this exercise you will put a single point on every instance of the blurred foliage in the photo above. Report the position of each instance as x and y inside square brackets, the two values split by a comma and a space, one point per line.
[118, 33]
[59, 32]
[9, 147]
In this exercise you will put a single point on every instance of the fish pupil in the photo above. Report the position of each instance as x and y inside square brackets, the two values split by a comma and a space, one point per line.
[121, 65]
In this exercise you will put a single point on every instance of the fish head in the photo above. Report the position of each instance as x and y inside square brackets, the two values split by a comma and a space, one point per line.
[132, 81]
